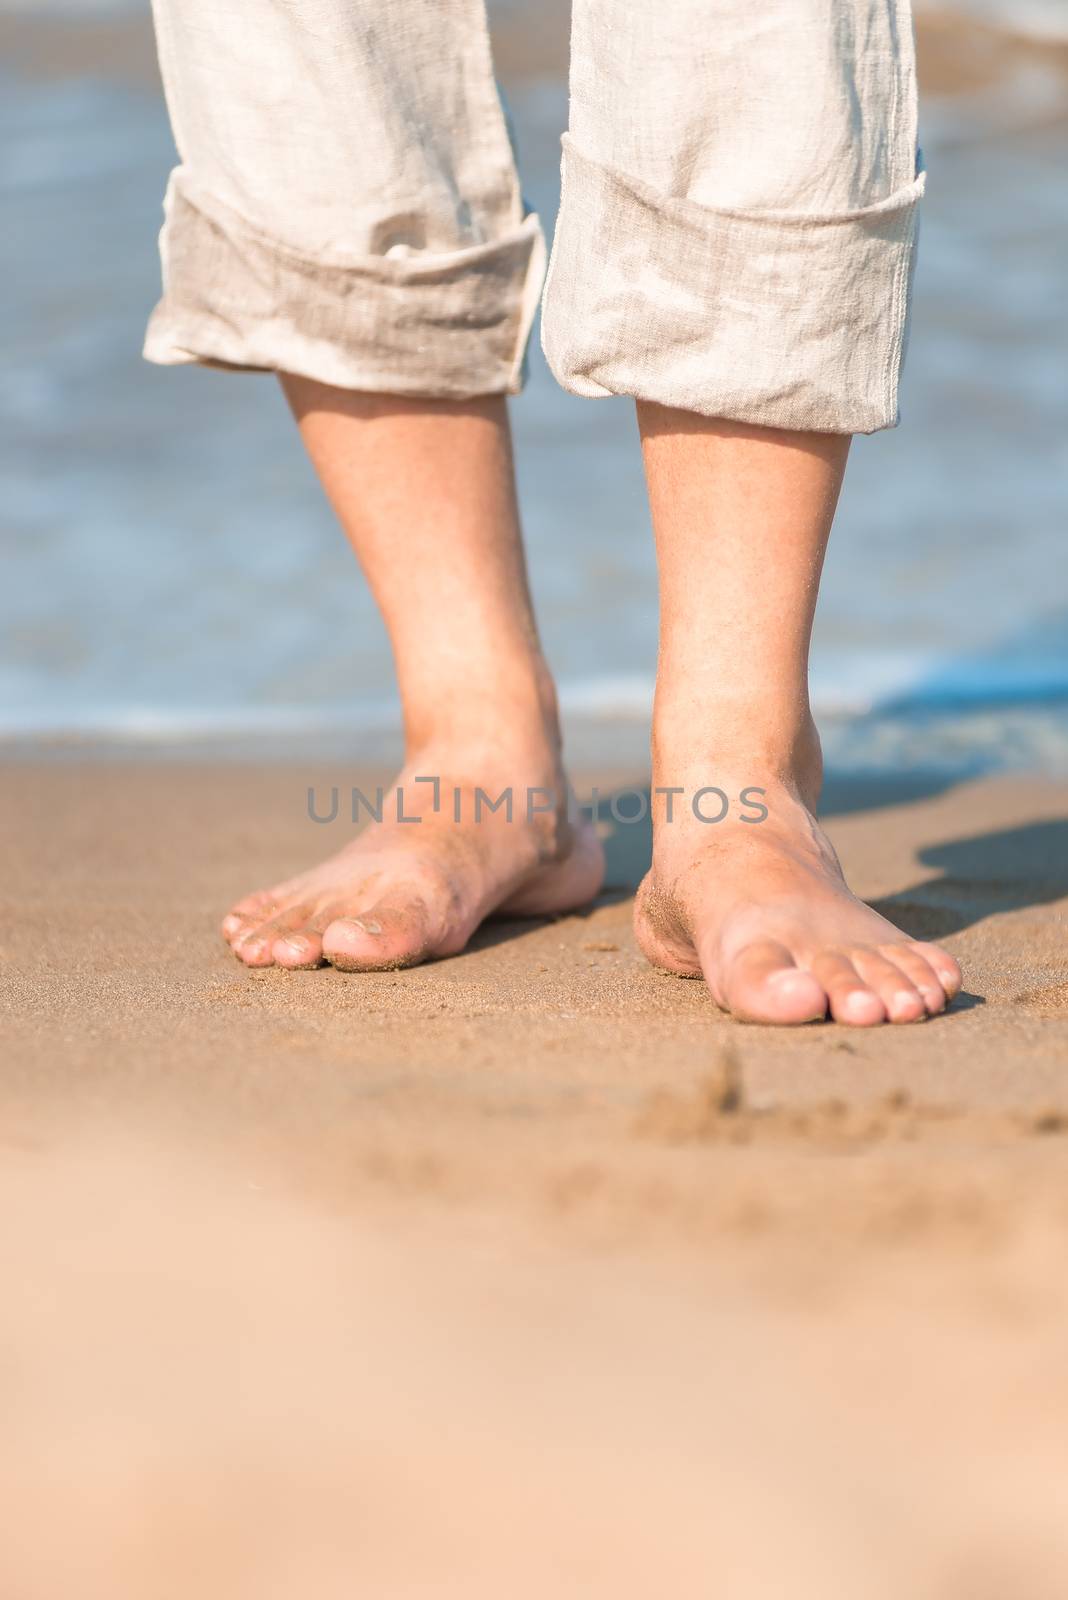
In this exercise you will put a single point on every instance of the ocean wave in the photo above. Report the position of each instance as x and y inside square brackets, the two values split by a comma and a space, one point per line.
[887, 686]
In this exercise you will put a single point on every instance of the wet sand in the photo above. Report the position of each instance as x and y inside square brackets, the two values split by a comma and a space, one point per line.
[526, 1271]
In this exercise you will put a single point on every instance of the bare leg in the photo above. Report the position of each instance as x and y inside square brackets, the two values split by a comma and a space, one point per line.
[761, 909]
[425, 492]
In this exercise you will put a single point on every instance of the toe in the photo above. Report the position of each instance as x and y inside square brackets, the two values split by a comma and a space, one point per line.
[247, 914]
[920, 974]
[252, 949]
[378, 939]
[298, 951]
[235, 924]
[942, 965]
[903, 1000]
[301, 947]
[255, 946]
[765, 984]
[850, 999]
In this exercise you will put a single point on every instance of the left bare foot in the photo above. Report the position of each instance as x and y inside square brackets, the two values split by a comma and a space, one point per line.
[761, 911]
[405, 892]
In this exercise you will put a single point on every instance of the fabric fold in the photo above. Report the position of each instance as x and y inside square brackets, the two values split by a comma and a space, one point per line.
[412, 322]
[778, 318]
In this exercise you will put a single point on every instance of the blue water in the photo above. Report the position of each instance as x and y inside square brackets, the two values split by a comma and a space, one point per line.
[171, 570]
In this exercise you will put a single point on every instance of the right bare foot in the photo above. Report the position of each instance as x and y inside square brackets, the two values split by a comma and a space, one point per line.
[759, 908]
[406, 892]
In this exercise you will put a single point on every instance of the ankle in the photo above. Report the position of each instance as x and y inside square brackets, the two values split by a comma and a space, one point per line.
[518, 785]
[502, 724]
[739, 752]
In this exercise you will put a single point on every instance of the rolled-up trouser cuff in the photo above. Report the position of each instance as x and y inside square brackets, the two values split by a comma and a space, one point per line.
[784, 319]
[450, 326]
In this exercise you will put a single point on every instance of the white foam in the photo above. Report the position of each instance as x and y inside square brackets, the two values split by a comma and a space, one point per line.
[843, 686]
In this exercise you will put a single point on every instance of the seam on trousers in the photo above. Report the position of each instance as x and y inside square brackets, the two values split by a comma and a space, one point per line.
[553, 254]
[893, 352]
[531, 299]
[903, 296]
[441, 325]
[786, 319]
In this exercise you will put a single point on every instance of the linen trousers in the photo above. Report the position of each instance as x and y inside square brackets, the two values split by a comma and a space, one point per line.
[740, 182]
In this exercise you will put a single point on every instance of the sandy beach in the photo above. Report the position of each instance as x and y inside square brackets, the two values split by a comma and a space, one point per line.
[526, 1271]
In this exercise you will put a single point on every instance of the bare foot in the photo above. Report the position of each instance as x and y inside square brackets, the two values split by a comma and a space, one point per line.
[405, 892]
[761, 911]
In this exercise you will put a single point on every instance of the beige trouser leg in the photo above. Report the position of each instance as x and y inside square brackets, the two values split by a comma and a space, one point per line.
[739, 208]
[347, 207]
[736, 231]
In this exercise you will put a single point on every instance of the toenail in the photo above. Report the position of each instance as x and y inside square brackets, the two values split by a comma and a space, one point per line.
[368, 925]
